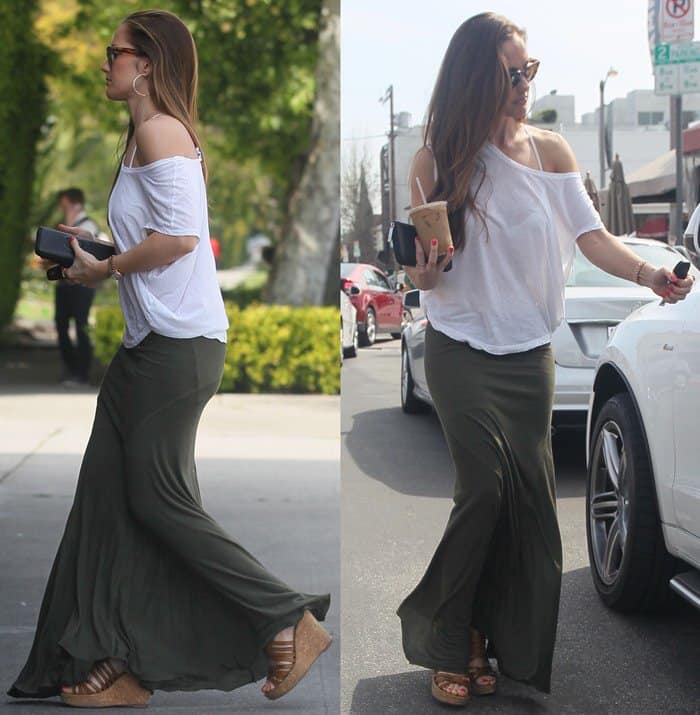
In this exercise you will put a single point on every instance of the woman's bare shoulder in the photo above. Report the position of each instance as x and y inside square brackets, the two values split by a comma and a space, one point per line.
[555, 152]
[423, 161]
[163, 137]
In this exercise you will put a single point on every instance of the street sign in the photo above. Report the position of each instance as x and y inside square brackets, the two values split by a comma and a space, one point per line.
[676, 53]
[676, 20]
[677, 68]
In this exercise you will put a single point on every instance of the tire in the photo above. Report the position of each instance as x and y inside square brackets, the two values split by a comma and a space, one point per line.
[352, 350]
[410, 404]
[368, 333]
[629, 562]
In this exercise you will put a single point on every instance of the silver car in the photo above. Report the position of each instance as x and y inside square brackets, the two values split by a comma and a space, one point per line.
[595, 302]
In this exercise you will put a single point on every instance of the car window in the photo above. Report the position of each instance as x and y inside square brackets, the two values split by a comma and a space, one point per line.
[381, 281]
[375, 280]
[585, 274]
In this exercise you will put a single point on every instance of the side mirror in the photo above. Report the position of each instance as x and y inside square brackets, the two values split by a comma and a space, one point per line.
[411, 299]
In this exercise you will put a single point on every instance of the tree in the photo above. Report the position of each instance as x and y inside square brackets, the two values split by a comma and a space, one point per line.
[546, 116]
[358, 178]
[305, 269]
[24, 62]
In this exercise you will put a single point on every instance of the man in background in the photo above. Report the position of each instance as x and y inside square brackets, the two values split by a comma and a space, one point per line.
[74, 301]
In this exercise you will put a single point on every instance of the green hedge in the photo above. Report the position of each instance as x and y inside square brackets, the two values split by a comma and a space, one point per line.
[271, 348]
[23, 64]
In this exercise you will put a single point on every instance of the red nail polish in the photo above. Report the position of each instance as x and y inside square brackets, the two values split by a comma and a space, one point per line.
[433, 242]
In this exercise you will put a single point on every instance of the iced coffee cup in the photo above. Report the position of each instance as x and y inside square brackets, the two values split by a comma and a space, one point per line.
[431, 222]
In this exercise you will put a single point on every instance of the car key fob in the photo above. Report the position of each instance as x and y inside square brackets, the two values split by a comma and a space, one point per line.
[55, 273]
[680, 271]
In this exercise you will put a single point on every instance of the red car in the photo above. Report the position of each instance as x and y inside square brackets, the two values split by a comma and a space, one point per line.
[379, 306]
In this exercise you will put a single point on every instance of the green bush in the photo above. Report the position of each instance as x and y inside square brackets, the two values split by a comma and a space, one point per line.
[107, 332]
[23, 64]
[271, 348]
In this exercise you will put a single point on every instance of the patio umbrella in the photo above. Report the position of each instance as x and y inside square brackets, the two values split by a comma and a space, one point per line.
[620, 218]
[592, 191]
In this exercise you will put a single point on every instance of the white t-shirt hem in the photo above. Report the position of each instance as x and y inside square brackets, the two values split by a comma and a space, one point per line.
[496, 349]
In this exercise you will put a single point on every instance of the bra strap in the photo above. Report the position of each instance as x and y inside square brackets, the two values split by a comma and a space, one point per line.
[133, 154]
[534, 147]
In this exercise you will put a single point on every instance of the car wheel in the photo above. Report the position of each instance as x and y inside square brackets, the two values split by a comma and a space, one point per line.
[369, 333]
[409, 402]
[352, 350]
[629, 562]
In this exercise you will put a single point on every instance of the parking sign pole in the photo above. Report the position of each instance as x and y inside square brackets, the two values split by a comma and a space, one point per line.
[676, 227]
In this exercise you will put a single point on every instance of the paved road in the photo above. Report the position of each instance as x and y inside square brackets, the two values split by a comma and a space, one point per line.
[396, 489]
[268, 470]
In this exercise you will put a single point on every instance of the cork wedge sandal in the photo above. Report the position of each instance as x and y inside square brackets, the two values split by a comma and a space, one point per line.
[290, 660]
[483, 677]
[441, 679]
[107, 688]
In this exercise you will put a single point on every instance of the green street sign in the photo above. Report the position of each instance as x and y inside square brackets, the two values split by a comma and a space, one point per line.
[676, 53]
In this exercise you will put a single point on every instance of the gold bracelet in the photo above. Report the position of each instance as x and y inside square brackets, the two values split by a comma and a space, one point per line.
[639, 271]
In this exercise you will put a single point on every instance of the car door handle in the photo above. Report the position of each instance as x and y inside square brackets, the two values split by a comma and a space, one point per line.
[668, 347]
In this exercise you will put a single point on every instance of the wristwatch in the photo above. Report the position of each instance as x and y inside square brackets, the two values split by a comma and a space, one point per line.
[113, 271]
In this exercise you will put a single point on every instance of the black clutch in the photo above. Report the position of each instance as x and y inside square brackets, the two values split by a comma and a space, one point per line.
[402, 238]
[55, 246]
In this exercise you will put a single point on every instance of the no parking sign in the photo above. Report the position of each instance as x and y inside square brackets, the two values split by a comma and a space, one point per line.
[676, 22]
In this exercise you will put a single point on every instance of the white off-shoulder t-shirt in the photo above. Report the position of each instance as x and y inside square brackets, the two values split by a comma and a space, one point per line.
[506, 294]
[182, 299]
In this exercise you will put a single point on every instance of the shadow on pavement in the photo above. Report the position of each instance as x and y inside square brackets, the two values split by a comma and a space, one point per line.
[649, 665]
[408, 454]
[37, 370]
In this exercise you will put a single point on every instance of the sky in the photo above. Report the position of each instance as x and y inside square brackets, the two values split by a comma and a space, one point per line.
[402, 42]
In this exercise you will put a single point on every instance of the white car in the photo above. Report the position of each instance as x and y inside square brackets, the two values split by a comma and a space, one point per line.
[643, 457]
[349, 332]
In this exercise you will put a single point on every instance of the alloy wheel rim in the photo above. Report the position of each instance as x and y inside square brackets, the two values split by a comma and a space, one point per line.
[404, 375]
[371, 328]
[609, 507]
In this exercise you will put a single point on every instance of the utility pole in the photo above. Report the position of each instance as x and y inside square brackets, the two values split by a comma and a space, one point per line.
[601, 126]
[389, 96]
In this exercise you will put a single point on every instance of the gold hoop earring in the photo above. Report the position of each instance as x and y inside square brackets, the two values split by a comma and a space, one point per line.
[133, 84]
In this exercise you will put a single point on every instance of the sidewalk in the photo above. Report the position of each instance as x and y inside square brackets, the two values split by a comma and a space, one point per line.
[268, 468]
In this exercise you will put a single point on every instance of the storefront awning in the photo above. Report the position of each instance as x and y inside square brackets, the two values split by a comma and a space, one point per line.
[655, 178]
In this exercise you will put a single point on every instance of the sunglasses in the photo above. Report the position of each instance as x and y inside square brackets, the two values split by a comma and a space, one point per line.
[529, 72]
[113, 52]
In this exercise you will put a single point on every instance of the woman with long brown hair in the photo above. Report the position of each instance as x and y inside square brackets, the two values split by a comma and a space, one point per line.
[147, 591]
[517, 208]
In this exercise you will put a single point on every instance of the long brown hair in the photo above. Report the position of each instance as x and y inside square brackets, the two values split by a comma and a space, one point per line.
[169, 45]
[470, 94]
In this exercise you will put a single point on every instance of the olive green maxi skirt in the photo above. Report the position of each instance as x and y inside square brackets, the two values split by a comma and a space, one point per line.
[142, 572]
[498, 565]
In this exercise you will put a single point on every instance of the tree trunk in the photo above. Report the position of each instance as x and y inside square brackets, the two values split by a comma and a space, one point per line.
[306, 259]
